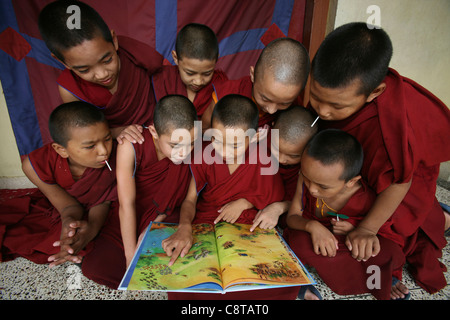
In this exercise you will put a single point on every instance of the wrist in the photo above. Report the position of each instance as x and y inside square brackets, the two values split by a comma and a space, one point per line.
[367, 229]
[311, 226]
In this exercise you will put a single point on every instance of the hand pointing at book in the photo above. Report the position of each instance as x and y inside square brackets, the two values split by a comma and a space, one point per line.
[179, 243]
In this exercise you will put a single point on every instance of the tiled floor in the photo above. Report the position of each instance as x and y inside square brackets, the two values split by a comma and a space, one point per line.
[24, 280]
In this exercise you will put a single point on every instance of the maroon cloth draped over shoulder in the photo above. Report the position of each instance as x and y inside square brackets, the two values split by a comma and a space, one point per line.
[244, 87]
[168, 81]
[289, 175]
[134, 101]
[404, 133]
[161, 185]
[347, 275]
[36, 224]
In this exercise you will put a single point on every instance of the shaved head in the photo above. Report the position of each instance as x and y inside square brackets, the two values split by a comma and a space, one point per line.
[197, 41]
[294, 124]
[286, 60]
[174, 112]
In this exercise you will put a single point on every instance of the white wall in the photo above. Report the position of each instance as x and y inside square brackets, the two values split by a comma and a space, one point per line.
[10, 165]
[420, 33]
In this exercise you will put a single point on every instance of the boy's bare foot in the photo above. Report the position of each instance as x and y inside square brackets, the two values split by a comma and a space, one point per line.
[399, 290]
[309, 293]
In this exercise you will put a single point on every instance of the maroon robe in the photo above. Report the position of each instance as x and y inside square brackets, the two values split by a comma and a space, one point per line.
[289, 176]
[404, 133]
[134, 101]
[29, 224]
[342, 273]
[217, 187]
[168, 81]
[161, 187]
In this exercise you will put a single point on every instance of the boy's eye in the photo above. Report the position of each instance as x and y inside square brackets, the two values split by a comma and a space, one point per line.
[90, 147]
[107, 61]
[83, 71]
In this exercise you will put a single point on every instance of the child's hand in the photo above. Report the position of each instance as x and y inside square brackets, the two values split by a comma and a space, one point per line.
[232, 210]
[341, 227]
[132, 133]
[323, 240]
[267, 218]
[75, 240]
[178, 244]
[363, 244]
[62, 257]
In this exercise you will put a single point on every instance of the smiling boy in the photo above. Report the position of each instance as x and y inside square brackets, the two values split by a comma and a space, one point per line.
[194, 75]
[109, 71]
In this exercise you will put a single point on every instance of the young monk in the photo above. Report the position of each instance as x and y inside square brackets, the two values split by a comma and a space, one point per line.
[274, 83]
[76, 188]
[152, 181]
[331, 199]
[109, 71]
[404, 132]
[294, 129]
[231, 188]
[194, 75]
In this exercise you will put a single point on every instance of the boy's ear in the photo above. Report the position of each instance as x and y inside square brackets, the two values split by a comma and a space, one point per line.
[252, 74]
[175, 57]
[352, 181]
[153, 132]
[375, 93]
[115, 40]
[60, 150]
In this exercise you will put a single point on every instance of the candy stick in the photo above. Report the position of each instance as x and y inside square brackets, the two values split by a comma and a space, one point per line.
[108, 165]
[315, 122]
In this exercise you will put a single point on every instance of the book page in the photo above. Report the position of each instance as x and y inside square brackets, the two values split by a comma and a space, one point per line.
[198, 266]
[260, 256]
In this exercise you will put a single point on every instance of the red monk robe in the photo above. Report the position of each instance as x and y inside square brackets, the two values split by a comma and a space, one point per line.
[217, 187]
[289, 176]
[244, 87]
[342, 273]
[404, 133]
[29, 225]
[168, 81]
[161, 187]
[134, 101]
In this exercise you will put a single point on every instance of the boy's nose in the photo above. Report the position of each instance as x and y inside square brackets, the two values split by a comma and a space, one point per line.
[101, 74]
[102, 149]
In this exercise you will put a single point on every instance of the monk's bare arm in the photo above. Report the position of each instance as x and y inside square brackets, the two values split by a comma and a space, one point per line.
[294, 217]
[383, 208]
[68, 207]
[126, 190]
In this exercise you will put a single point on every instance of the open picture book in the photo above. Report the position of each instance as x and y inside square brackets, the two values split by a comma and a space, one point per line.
[223, 258]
